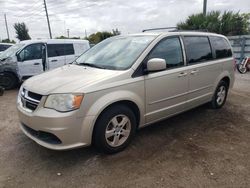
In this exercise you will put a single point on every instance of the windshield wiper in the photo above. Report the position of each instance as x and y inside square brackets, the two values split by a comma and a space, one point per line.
[92, 65]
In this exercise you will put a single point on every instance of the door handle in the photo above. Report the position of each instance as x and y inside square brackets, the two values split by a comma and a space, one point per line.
[182, 74]
[36, 64]
[194, 71]
[54, 60]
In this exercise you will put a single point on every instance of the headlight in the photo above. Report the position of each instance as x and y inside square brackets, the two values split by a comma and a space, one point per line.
[64, 102]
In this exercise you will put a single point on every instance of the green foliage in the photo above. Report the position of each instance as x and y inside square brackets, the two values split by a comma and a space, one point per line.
[228, 23]
[21, 31]
[8, 41]
[63, 37]
[99, 36]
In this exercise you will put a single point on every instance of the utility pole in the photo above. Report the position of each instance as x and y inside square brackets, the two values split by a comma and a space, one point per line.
[68, 33]
[204, 7]
[45, 6]
[86, 36]
[6, 24]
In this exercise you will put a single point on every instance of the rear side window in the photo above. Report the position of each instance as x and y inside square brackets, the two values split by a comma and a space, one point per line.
[60, 49]
[197, 49]
[170, 50]
[221, 47]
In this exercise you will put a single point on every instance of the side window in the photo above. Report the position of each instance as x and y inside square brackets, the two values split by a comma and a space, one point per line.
[31, 52]
[221, 47]
[69, 49]
[170, 50]
[3, 47]
[60, 49]
[197, 49]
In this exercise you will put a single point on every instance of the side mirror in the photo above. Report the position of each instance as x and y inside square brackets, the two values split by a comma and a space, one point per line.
[156, 64]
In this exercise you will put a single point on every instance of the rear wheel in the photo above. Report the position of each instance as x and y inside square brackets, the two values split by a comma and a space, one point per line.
[220, 95]
[114, 129]
[8, 80]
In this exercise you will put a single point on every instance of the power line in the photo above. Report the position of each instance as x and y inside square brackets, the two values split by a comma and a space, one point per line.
[23, 11]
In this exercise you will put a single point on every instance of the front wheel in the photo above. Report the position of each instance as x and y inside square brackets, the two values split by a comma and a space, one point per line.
[114, 129]
[220, 95]
[8, 80]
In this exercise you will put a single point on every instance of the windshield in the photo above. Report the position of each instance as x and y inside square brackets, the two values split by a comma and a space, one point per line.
[117, 53]
[10, 51]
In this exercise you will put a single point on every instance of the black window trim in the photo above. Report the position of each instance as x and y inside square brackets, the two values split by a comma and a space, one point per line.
[206, 36]
[140, 70]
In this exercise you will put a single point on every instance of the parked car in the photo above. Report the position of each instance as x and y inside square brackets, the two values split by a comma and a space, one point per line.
[32, 57]
[122, 84]
[4, 46]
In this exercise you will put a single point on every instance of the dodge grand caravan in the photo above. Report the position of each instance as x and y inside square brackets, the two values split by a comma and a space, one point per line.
[32, 57]
[122, 84]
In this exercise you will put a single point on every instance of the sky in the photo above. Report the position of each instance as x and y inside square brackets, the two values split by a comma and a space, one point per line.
[129, 16]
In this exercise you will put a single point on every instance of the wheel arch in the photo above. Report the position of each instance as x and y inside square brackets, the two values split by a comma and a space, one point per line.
[130, 99]
[223, 76]
[128, 103]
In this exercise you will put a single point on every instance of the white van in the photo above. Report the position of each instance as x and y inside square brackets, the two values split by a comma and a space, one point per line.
[32, 57]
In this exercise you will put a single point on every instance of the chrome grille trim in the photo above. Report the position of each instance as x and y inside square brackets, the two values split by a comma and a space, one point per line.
[29, 102]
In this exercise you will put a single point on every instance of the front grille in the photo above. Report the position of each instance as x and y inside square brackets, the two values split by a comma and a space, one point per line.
[30, 100]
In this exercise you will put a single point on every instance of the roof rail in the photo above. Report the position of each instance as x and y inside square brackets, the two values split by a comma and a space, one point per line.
[182, 30]
[163, 28]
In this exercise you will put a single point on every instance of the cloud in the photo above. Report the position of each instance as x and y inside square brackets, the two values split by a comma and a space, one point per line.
[129, 16]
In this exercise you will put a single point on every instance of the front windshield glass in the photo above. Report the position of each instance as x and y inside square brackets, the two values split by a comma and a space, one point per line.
[117, 53]
[10, 51]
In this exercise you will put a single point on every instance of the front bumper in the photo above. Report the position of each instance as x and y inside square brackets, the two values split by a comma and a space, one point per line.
[72, 131]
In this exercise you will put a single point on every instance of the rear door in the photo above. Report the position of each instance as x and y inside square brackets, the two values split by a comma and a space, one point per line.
[30, 60]
[203, 69]
[59, 54]
[166, 91]
[80, 48]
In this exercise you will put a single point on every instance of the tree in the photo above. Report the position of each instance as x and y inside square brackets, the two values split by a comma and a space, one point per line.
[228, 23]
[63, 37]
[99, 36]
[21, 31]
[8, 41]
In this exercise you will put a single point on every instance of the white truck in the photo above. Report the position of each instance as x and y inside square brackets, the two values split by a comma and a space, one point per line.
[32, 57]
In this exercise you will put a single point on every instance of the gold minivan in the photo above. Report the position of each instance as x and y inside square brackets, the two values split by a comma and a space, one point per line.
[122, 84]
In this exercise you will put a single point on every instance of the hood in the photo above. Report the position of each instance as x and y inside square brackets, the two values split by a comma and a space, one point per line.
[68, 79]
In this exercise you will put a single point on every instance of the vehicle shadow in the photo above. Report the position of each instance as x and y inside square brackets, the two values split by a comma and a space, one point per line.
[147, 140]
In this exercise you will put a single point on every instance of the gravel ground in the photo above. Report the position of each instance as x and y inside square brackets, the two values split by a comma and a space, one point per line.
[199, 148]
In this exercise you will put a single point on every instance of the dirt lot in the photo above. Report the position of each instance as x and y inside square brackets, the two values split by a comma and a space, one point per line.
[200, 148]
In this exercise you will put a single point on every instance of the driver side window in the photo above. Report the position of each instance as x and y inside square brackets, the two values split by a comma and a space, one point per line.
[170, 50]
[31, 52]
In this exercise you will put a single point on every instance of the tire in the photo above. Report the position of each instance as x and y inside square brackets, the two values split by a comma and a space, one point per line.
[8, 81]
[220, 95]
[114, 129]
[241, 69]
